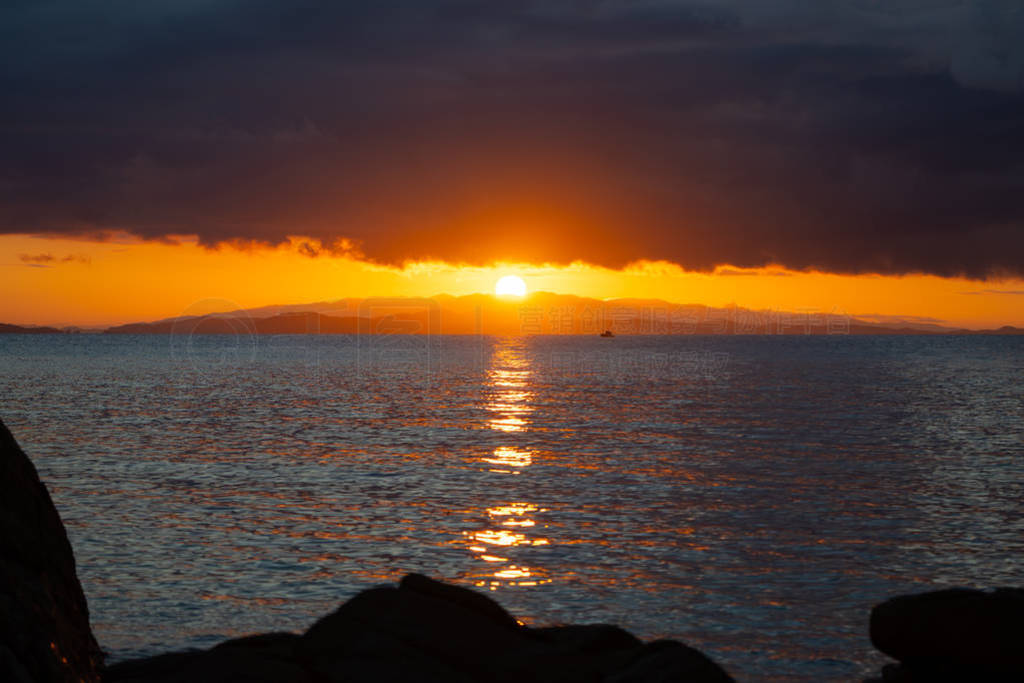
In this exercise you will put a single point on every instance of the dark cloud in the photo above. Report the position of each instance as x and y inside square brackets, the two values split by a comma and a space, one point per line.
[1009, 292]
[36, 258]
[730, 272]
[847, 135]
[308, 249]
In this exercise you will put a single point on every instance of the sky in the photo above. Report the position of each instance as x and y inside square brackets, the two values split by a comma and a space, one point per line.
[163, 153]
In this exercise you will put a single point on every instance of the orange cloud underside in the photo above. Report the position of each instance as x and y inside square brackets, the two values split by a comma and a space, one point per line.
[102, 283]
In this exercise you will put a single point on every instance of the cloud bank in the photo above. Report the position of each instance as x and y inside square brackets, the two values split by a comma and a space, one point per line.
[846, 135]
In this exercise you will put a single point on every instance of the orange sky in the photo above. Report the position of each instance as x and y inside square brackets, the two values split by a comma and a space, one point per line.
[78, 282]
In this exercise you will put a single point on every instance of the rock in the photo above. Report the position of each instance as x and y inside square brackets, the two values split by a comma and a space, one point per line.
[455, 595]
[266, 658]
[416, 631]
[451, 633]
[589, 638]
[956, 634]
[44, 619]
[424, 630]
[665, 661]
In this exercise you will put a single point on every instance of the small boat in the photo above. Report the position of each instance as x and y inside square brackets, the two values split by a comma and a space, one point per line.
[607, 333]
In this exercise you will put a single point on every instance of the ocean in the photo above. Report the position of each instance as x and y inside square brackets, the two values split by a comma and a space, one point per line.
[751, 496]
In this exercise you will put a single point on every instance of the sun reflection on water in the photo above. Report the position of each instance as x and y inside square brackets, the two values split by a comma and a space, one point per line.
[507, 456]
[508, 424]
[510, 525]
[507, 386]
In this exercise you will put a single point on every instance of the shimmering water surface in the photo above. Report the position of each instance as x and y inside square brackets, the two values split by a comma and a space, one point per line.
[752, 496]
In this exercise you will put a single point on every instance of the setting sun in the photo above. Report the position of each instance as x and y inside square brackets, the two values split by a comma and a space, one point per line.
[510, 285]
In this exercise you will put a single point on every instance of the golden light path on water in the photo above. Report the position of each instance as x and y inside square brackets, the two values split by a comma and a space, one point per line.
[511, 524]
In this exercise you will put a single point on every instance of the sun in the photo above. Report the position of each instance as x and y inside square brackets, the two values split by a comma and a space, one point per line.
[510, 285]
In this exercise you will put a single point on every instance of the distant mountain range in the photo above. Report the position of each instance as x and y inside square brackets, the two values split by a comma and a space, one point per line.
[18, 329]
[538, 313]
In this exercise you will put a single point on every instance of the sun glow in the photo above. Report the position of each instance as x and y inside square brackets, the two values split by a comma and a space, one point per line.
[510, 285]
[68, 281]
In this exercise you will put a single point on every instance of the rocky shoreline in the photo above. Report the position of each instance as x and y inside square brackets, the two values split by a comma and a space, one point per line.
[426, 630]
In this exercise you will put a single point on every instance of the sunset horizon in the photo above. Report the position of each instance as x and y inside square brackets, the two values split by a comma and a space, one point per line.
[66, 282]
[485, 341]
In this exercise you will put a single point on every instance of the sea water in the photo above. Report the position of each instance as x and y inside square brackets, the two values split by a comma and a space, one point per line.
[751, 496]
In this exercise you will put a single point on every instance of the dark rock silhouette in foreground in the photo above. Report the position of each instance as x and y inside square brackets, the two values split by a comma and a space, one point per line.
[44, 620]
[425, 630]
[952, 635]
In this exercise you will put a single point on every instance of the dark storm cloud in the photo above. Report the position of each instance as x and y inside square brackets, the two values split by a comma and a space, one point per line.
[848, 135]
